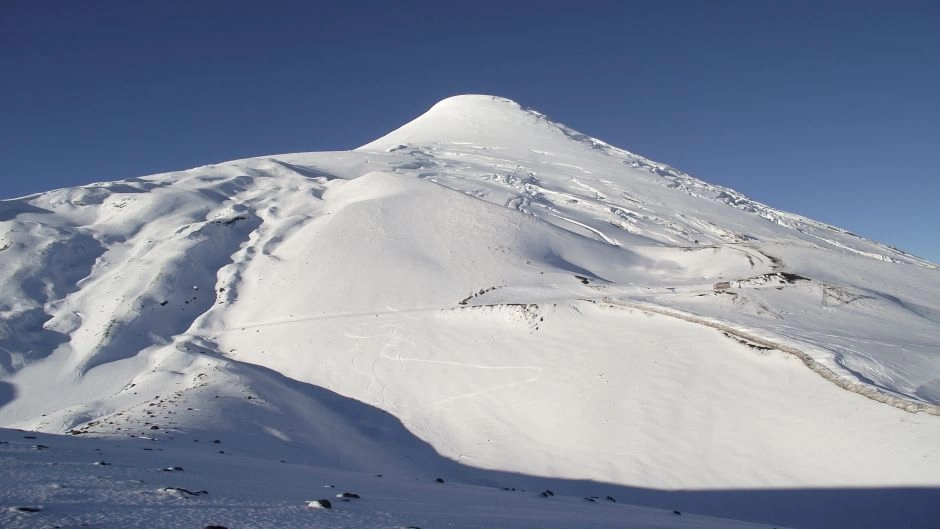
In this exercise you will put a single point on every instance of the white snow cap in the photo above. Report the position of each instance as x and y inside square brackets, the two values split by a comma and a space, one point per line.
[480, 120]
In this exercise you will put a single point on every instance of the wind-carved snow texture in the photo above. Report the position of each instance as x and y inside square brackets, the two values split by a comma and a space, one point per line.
[523, 298]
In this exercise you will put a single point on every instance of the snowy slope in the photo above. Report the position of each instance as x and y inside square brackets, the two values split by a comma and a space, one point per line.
[521, 297]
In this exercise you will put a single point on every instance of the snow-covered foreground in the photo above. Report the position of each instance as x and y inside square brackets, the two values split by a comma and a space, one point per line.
[176, 483]
[485, 296]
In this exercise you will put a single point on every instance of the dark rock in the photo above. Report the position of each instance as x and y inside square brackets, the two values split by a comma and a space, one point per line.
[27, 509]
[320, 504]
[611, 498]
[215, 527]
[40, 447]
[677, 513]
[547, 494]
[792, 278]
[439, 480]
[592, 500]
[154, 427]
[348, 495]
[102, 463]
[185, 491]
[217, 441]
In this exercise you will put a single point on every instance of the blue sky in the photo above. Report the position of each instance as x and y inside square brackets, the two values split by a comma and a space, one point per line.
[827, 109]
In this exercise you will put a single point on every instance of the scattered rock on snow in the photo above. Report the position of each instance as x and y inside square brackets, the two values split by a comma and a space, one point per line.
[347, 495]
[183, 492]
[320, 504]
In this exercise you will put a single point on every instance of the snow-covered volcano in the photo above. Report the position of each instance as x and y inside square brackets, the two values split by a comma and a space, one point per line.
[526, 300]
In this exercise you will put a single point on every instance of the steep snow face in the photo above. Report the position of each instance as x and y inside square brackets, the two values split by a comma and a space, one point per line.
[500, 136]
[520, 296]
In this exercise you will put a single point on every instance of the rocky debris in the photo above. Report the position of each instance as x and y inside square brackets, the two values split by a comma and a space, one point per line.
[320, 504]
[183, 492]
[475, 294]
[348, 495]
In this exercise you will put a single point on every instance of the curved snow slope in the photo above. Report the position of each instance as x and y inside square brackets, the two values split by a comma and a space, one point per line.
[472, 274]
